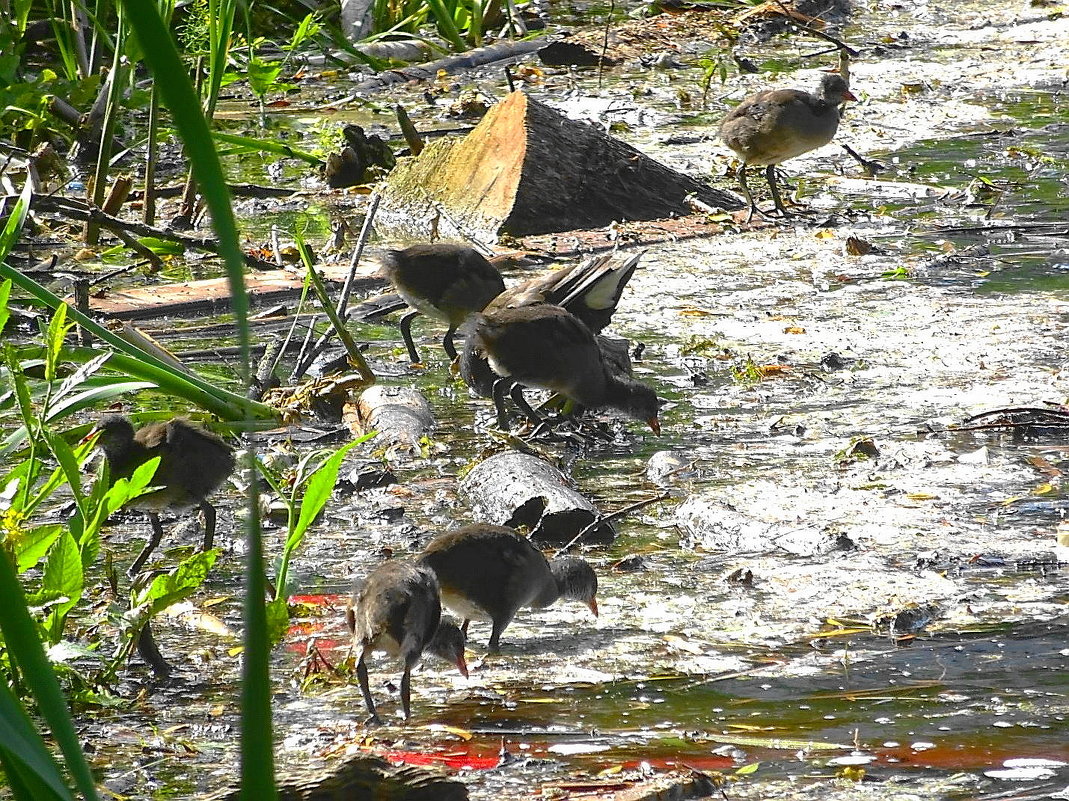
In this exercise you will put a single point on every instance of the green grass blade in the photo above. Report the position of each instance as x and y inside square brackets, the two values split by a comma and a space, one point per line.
[5, 293]
[20, 636]
[446, 26]
[225, 404]
[23, 744]
[250, 144]
[177, 93]
[10, 235]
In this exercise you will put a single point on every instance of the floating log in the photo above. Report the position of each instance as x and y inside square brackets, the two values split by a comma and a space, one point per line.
[212, 295]
[362, 778]
[401, 416]
[527, 169]
[516, 489]
[712, 525]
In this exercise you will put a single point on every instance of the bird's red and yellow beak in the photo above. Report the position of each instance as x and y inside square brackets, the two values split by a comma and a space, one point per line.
[592, 604]
[848, 95]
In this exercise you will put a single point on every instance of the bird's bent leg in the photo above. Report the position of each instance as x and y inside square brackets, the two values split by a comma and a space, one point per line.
[150, 546]
[406, 334]
[361, 675]
[770, 174]
[447, 343]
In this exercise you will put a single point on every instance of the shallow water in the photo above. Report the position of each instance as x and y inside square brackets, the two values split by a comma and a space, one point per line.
[684, 665]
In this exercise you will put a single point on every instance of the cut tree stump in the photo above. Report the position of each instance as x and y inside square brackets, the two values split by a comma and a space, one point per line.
[526, 169]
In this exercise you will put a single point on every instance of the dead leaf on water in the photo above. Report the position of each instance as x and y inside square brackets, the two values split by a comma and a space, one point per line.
[856, 246]
[463, 734]
[794, 329]
[768, 370]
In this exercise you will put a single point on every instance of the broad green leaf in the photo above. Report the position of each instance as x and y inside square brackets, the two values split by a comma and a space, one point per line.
[263, 75]
[22, 742]
[318, 492]
[308, 28]
[175, 585]
[32, 544]
[62, 582]
[69, 463]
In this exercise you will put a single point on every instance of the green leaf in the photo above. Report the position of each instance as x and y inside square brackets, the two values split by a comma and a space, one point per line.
[5, 313]
[262, 75]
[68, 463]
[138, 363]
[62, 582]
[318, 491]
[278, 618]
[32, 544]
[250, 144]
[746, 770]
[176, 91]
[58, 328]
[10, 235]
[308, 28]
[175, 585]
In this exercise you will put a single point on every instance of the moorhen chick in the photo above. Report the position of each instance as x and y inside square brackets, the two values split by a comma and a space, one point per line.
[775, 125]
[193, 463]
[590, 290]
[490, 572]
[548, 347]
[441, 280]
[398, 610]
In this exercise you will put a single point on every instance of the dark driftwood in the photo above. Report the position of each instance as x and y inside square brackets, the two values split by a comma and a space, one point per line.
[516, 489]
[401, 416]
[84, 212]
[526, 169]
[425, 72]
[362, 777]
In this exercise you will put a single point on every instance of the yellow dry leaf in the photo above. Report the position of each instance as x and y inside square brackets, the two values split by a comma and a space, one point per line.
[826, 233]
[772, 369]
[794, 329]
[1045, 489]
[921, 496]
[612, 770]
[463, 734]
[690, 311]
